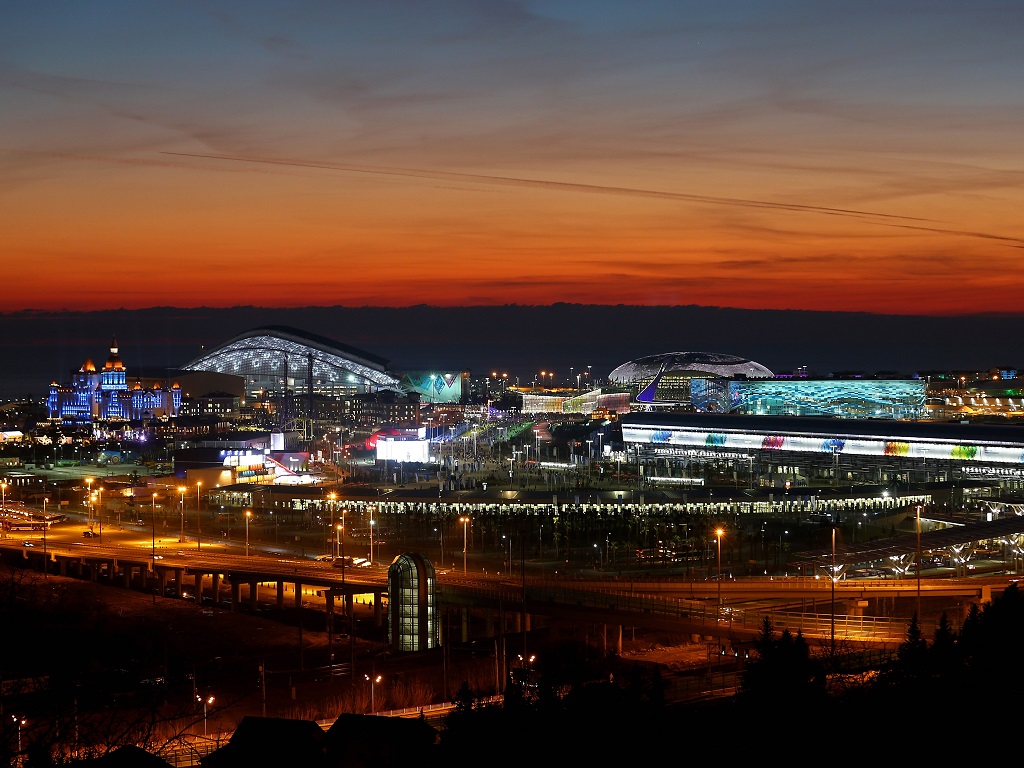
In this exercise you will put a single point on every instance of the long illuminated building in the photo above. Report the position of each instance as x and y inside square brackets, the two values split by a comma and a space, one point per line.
[946, 448]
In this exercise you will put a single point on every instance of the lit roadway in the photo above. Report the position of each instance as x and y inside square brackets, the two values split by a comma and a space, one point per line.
[688, 605]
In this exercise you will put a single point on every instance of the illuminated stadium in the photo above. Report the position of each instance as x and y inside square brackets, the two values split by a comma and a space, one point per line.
[716, 383]
[674, 378]
[279, 359]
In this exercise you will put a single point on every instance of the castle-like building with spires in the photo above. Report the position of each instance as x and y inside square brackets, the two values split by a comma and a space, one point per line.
[103, 394]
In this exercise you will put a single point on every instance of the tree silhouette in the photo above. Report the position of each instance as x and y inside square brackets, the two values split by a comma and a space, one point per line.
[782, 670]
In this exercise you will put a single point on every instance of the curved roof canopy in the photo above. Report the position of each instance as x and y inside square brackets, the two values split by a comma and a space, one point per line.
[279, 351]
[645, 368]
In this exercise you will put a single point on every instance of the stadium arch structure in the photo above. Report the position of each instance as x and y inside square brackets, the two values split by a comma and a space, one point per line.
[286, 362]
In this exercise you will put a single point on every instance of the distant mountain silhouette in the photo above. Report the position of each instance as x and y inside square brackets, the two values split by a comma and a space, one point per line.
[522, 340]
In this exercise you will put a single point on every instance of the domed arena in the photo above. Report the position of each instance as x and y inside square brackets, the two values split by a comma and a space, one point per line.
[689, 380]
[698, 364]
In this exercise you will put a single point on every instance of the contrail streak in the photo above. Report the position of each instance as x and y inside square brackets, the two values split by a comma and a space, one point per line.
[510, 181]
[881, 219]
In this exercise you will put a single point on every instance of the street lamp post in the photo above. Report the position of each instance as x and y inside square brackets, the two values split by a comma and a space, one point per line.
[371, 535]
[718, 535]
[918, 508]
[373, 682]
[19, 721]
[46, 524]
[181, 491]
[88, 483]
[332, 496]
[832, 632]
[248, 517]
[199, 517]
[152, 561]
[465, 533]
[208, 700]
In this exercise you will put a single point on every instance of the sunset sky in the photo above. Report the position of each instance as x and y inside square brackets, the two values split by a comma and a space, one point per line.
[810, 154]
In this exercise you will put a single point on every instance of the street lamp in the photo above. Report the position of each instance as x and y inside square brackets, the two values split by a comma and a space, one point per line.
[918, 508]
[199, 518]
[833, 611]
[248, 517]
[207, 701]
[46, 524]
[181, 536]
[343, 531]
[19, 721]
[88, 482]
[718, 535]
[465, 532]
[152, 562]
[332, 496]
[371, 534]
[373, 682]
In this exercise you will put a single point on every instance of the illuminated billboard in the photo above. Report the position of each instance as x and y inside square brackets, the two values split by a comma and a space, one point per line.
[390, 449]
[434, 386]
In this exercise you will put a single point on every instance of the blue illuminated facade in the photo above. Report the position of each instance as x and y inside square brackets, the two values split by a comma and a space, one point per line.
[104, 395]
[434, 387]
[844, 398]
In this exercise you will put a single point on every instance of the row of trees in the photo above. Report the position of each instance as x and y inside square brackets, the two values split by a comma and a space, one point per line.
[790, 693]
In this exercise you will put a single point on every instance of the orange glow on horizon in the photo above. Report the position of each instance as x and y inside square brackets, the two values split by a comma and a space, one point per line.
[652, 154]
[303, 238]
